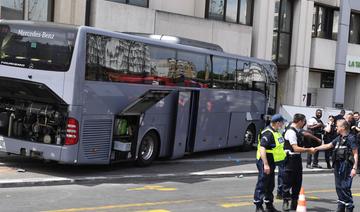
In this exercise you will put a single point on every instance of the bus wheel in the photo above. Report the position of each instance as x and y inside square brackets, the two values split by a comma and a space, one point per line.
[148, 149]
[249, 139]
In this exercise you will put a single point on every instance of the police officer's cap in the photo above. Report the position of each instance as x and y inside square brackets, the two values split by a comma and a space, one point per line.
[277, 118]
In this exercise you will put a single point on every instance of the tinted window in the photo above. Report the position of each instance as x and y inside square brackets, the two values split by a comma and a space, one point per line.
[112, 59]
[354, 36]
[163, 65]
[216, 9]
[46, 48]
[198, 68]
[142, 3]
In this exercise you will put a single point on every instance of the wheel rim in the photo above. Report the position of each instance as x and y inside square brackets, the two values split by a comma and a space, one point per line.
[147, 148]
[249, 137]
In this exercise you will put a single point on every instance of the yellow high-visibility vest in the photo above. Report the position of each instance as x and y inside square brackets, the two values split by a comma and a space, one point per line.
[278, 151]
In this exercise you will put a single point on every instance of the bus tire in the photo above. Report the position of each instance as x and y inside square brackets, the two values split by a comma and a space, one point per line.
[249, 138]
[148, 149]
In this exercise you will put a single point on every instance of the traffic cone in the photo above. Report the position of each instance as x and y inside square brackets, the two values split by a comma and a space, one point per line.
[301, 207]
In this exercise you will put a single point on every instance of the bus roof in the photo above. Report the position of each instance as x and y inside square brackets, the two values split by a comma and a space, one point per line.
[172, 45]
[39, 24]
[137, 38]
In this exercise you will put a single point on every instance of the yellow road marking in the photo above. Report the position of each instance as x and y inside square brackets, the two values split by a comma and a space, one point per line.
[356, 195]
[240, 204]
[152, 187]
[133, 205]
[147, 204]
[157, 210]
[232, 205]
[240, 197]
[312, 197]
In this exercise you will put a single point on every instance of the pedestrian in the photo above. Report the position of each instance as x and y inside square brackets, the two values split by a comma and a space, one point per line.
[316, 126]
[294, 145]
[270, 152]
[345, 163]
[329, 135]
[340, 115]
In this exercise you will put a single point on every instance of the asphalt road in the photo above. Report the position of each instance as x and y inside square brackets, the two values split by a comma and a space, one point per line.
[215, 194]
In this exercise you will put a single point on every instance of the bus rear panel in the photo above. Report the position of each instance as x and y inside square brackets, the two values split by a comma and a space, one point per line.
[35, 117]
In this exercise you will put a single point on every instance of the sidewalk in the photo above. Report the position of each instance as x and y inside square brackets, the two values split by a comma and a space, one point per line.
[16, 171]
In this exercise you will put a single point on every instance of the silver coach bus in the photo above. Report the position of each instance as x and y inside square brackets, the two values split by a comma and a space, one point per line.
[81, 95]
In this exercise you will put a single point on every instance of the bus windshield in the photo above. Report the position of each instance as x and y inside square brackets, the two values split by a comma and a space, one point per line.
[35, 47]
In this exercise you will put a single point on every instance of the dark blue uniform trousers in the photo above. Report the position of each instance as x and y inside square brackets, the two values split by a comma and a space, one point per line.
[292, 177]
[343, 182]
[280, 180]
[265, 184]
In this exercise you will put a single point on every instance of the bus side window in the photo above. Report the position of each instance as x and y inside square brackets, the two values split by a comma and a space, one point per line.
[224, 73]
[162, 66]
[242, 75]
[113, 59]
[219, 72]
[258, 77]
[193, 69]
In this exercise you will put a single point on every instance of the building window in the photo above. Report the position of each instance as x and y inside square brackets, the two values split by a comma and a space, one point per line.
[34, 10]
[140, 3]
[325, 22]
[282, 32]
[235, 11]
[354, 33]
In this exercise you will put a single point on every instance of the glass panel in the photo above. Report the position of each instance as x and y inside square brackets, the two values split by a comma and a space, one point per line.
[216, 9]
[195, 68]
[142, 3]
[119, 1]
[272, 98]
[33, 47]
[219, 72]
[315, 17]
[355, 29]
[230, 80]
[286, 14]
[276, 15]
[38, 10]
[242, 75]
[323, 27]
[231, 10]
[112, 59]
[335, 25]
[274, 46]
[163, 66]
[245, 13]
[12, 9]
[284, 49]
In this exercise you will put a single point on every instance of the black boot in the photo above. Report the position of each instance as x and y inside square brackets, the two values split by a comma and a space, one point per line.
[286, 205]
[328, 165]
[259, 208]
[270, 208]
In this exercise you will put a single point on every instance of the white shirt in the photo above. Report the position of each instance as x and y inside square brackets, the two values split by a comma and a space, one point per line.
[311, 121]
[290, 135]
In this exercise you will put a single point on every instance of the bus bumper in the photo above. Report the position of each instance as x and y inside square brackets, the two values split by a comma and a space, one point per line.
[38, 150]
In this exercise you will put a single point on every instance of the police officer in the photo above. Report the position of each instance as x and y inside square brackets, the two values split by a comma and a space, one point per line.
[294, 146]
[345, 161]
[270, 152]
[316, 126]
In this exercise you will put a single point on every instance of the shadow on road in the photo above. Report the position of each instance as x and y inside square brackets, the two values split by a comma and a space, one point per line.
[161, 171]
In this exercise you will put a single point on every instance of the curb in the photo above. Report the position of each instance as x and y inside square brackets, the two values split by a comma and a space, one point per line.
[53, 181]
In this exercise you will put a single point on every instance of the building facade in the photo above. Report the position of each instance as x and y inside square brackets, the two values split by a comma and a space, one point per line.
[298, 35]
